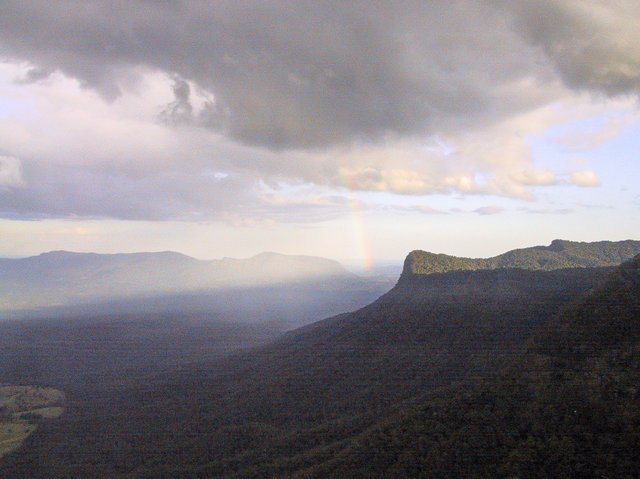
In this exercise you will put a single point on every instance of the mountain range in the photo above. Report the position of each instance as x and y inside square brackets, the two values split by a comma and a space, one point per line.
[518, 371]
[61, 278]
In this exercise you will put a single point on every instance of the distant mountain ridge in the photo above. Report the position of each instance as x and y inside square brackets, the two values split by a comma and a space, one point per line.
[62, 277]
[558, 255]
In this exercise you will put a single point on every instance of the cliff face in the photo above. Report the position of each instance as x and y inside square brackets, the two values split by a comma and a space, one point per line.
[559, 254]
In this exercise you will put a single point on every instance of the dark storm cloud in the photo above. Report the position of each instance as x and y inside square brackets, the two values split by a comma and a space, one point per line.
[35, 75]
[593, 44]
[180, 110]
[309, 73]
[294, 74]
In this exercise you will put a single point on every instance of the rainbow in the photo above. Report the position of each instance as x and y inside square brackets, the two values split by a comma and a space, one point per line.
[361, 240]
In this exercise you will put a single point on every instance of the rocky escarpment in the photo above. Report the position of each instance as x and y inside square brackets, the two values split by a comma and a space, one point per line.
[559, 254]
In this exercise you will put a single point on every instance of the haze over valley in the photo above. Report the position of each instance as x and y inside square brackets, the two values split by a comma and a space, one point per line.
[269, 287]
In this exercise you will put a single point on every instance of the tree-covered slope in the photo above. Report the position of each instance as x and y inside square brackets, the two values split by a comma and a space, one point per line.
[267, 412]
[408, 385]
[559, 254]
[569, 407]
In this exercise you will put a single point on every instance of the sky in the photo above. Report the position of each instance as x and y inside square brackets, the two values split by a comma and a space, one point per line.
[354, 130]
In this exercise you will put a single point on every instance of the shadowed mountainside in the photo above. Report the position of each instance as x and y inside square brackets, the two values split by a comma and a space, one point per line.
[568, 407]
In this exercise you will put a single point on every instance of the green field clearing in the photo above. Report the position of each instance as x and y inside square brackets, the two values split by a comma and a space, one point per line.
[12, 434]
[20, 409]
[24, 398]
[44, 413]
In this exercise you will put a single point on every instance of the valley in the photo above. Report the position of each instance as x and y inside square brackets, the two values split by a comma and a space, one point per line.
[415, 381]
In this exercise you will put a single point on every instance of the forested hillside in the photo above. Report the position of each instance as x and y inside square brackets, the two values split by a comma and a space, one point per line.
[568, 407]
[559, 254]
[294, 404]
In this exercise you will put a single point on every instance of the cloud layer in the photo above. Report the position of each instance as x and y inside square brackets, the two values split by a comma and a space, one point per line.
[413, 98]
[10, 172]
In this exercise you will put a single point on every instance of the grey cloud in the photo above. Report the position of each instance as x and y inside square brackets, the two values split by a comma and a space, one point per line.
[591, 206]
[301, 211]
[304, 75]
[489, 210]
[296, 74]
[180, 110]
[35, 75]
[10, 173]
[423, 209]
[427, 210]
[594, 45]
[56, 191]
[310, 74]
[547, 211]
